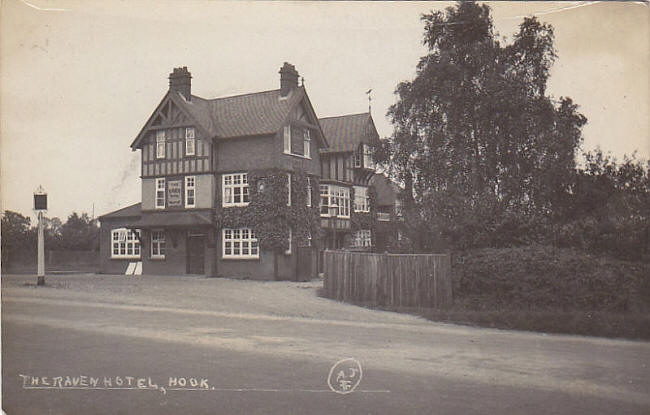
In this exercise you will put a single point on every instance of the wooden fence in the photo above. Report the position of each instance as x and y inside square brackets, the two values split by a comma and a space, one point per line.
[388, 279]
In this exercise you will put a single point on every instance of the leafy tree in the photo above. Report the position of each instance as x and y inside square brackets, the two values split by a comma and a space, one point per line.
[79, 233]
[476, 139]
[15, 230]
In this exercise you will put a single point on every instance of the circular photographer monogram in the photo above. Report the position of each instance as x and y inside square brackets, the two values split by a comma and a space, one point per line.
[345, 376]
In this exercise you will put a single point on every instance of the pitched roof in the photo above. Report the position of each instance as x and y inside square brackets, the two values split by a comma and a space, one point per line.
[387, 191]
[243, 115]
[125, 212]
[173, 219]
[346, 132]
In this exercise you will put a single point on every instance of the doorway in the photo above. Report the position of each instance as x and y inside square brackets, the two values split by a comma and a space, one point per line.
[195, 253]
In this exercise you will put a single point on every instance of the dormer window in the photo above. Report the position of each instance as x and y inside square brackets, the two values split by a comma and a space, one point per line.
[160, 144]
[368, 163]
[287, 139]
[190, 142]
[307, 143]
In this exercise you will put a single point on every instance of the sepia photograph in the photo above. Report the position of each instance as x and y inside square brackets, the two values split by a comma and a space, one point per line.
[324, 207]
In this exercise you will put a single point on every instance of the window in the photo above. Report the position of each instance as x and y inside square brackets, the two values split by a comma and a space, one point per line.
[190, 142]
[308, 192]
[307, 143]
[125, 243]
[367, 157]
[357, 159]
[158, 244]
[235, 189]
[240, 243]
[190, 192]
[398, 207]
[160, 193]
[160, 144]
[289, 189]
[287, 139]
[361, 199]
[288, 251]
[362, 238]
[331, 195]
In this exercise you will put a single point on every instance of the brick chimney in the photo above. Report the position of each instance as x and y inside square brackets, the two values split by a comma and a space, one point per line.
[288, 79]
[180, 80]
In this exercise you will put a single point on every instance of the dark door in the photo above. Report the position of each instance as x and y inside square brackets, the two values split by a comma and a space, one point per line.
[304, 270]
[195, 254]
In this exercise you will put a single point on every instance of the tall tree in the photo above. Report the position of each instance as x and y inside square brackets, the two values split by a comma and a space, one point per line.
[475, 135]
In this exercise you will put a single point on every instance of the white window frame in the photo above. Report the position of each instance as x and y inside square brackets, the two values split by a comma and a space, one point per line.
[190, 191]
[232, 182]
[287, 139]
[368, 162]
[340, 195]
[289, 189]
[190, 142]
[307, 143]
[160, 144]
[124, 240]
[361, 203]
[288, 251]
[158, 244]
[236, 241]
[308, 192]
[362, 238]
[357, 156]
[160, 189]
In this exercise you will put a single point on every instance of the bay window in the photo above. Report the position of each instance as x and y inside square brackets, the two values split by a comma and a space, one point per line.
[331, 195]
[240, 244]
[235, 189]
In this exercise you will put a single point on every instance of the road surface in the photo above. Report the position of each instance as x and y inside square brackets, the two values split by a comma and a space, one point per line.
[266, 361]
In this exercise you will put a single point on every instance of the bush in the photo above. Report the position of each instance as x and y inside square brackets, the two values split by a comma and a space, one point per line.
[542, 278]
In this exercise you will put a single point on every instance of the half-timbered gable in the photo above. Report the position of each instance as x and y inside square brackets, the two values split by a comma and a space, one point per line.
[196, 157]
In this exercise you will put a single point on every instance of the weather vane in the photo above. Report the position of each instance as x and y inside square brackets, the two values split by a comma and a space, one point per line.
[368, 92]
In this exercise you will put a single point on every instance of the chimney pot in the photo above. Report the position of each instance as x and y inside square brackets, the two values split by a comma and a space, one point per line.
[180, 80]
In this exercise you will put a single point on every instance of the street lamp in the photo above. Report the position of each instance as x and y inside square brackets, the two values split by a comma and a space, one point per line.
[333, 213]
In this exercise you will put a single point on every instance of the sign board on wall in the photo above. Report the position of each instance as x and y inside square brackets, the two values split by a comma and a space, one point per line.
[174, 193]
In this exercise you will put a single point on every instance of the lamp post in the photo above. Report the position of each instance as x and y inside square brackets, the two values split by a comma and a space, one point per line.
[333, 213]
[40, 206]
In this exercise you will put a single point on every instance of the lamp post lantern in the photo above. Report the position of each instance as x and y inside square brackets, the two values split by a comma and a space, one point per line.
[40, 206]
[333, 213]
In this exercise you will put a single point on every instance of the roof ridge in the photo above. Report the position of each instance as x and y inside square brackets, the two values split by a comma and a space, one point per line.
[345, 115]
[120, 209]
[237, 95]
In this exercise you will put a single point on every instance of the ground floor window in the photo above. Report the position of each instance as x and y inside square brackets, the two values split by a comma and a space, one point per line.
[158, 244]
[240, 243]
[125, 243]
[362, 238]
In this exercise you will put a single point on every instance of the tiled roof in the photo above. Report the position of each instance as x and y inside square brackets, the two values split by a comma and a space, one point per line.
[126, 212]
[243, 115]
[386, 190]
[346, 132]
[172, 219]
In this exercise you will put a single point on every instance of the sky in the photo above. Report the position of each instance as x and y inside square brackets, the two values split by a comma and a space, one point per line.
[78, 80]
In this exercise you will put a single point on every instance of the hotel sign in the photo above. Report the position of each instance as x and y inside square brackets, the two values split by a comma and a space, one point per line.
[175, 193]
